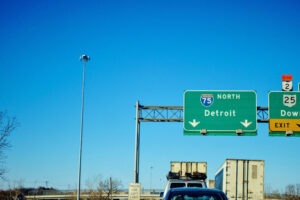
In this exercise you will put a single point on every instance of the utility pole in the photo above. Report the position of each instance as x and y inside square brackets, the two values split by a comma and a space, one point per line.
[110, 188]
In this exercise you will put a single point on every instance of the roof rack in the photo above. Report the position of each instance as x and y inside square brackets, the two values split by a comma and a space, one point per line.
[188, 176]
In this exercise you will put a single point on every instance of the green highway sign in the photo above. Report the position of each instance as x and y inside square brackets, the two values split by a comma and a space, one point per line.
[220, 112]
[284, 113]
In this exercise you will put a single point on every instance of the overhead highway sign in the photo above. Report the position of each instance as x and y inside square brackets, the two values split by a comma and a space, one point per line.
[284, 113]
[220, 112]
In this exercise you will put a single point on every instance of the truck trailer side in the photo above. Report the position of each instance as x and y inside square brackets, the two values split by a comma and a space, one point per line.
[241, 179]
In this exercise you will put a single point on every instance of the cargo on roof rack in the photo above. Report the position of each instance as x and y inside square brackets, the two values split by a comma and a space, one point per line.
[187, 176]
[193, 170]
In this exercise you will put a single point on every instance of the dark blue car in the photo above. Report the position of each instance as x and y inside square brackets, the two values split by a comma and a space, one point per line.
[194, 193]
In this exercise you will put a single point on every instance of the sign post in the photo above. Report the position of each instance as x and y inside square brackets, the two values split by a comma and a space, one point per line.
[284, 113]
[220, 112]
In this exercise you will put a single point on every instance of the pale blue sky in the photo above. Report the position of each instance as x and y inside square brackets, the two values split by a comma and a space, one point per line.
[151, 51]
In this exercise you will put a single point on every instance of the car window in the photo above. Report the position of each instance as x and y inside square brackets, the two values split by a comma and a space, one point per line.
[194, 185]
[176, 185]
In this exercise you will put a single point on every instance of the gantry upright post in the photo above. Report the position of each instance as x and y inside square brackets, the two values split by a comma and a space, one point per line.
[137, 143]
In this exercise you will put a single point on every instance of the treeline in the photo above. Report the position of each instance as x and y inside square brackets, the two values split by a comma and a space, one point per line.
[20, 193]
[106, 188]
[292, 192]
[97, 190]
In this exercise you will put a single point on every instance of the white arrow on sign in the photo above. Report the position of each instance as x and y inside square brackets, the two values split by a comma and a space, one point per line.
[246, 123]
[194, 123]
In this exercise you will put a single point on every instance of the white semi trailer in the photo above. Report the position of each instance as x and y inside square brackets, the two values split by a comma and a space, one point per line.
[241, 179]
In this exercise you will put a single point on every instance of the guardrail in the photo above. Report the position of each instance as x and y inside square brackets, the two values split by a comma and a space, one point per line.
[87, 196]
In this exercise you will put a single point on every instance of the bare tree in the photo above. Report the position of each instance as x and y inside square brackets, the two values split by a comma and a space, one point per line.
[110, 186]
[298, 190]
[291, 192]
[105, 189]
[7, 125]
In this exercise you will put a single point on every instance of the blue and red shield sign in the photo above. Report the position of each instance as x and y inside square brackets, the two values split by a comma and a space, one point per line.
[207, 99]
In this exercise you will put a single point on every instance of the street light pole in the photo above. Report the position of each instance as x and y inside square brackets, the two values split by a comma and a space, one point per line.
[85, 58]
[151, 179]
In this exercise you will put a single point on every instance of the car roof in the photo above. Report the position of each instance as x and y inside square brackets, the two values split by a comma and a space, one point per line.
[182, 189]
[185, 180]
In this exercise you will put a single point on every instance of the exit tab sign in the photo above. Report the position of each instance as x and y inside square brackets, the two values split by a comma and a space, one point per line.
[220, 112]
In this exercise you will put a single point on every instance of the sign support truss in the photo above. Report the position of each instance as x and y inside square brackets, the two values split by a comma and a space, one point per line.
[175, 114]
[169, 114]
